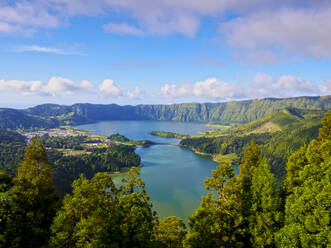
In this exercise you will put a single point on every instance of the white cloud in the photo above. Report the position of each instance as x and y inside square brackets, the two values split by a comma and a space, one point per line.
[134, 94]
[305, 32]
[22, 16]
[210, 89]
[262, 28]
[23, 87]
[152, 16]
[326, 87]
[173, 91]
[59, 86]
[108, 89]
[214, 89]
[54, 87]
[262, 85]
[122, 28]
[42, 49]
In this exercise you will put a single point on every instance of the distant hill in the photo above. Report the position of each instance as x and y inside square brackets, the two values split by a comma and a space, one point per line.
[224, 113]
[14, 119]
[278, 134]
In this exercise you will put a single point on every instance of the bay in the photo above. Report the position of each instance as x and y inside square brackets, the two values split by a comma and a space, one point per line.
[173, 175]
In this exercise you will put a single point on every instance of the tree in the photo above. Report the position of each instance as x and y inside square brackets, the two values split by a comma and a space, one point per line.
[32, 201]
[308, 206]
[98, 214]
[224, 216]
[325, 131]
[170, 233]
[265, 212]
[6, 183]
[242, 193]
[212, 224]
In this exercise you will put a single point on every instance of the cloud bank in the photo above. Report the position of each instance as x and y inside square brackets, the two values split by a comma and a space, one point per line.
[262, 85]
[260, 29]
[58, 87]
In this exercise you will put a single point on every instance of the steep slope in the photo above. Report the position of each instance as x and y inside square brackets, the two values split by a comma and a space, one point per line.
[14, 119]
[225, 112]
[288, 130]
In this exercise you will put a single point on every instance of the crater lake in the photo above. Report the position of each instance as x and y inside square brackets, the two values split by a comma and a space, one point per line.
[173, 175]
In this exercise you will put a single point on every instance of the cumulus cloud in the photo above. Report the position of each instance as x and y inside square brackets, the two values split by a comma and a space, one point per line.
[134, 94]
[23, 16]
[173, 91]
[108, 88]
[209, 89]
[305, 32]
[262, 85]
[54, 87]
[59, 86]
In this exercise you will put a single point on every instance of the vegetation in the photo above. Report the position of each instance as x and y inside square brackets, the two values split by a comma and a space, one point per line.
[69, 156]
[28, 210]
[244, 210]
[71, 142]
[12, 147]
[112, 159]
[279, 135]
[168, 134]
[118, 138]
[98, 214]
[51, 115]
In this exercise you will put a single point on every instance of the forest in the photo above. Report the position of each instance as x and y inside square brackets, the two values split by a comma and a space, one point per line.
[52, 115]
[245, 210]
[65, 169]
[278, 135]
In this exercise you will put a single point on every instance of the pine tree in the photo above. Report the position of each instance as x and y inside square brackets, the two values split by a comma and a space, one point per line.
[223, 218]
[242, 193]
[33, 200]
[98, 214]
[170, 233]
[211, 225]
[308, 206]
[265, 213]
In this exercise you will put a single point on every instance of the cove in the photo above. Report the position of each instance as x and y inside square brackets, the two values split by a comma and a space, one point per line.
[173, 175]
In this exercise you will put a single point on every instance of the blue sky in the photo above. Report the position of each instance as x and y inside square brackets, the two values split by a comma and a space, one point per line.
[162, 51]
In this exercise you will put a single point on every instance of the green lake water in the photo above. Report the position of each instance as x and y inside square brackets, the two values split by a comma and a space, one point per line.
[173, 175]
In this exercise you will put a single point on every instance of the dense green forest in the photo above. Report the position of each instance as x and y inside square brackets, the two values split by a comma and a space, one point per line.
[51, 115]
[168, 134]
[67, 165]
[278, 134]
[244, 210]
[118, 138]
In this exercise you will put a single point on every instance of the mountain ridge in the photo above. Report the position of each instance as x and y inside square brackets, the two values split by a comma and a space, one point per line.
[224, 112]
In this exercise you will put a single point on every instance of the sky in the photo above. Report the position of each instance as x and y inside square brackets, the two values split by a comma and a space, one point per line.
[162, 51]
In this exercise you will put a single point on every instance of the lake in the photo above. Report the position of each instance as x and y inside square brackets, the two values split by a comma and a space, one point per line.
[173, 175]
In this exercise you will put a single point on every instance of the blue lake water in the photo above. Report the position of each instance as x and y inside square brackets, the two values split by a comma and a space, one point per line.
[173, 175]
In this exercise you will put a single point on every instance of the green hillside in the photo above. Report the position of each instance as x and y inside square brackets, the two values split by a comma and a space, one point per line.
[14, 119]
[288, 129]
[49, 115]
